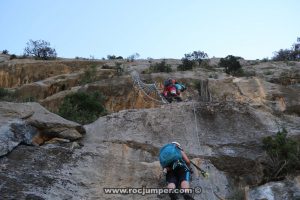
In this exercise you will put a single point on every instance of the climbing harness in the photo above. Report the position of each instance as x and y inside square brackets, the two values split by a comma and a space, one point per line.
[150, 90]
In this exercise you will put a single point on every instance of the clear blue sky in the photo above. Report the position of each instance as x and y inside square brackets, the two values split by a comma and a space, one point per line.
[153, 28]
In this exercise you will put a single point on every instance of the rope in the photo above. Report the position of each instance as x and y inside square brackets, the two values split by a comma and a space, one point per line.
[147, 89]
[196, 126]
[197, 133]
[151, 89]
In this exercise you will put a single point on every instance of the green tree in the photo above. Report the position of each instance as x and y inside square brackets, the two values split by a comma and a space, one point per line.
[113, 57]
[12, 56]
[191, 60]
[40, 49]
[231, 64]
[83, 107]
[160, 67]
[186, 64]
[198, 56]
[133, 57]
[283, 55]
[5, 51]
[292, 54]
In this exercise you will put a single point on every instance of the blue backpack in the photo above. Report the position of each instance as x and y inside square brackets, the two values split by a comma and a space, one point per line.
[183, 87]
[169, 154]
[180, 87]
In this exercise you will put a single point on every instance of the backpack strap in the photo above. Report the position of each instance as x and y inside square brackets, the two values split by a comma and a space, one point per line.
[180, 163]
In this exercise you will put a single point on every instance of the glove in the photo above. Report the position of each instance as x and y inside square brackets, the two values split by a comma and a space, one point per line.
[205, 174]
[165, 171]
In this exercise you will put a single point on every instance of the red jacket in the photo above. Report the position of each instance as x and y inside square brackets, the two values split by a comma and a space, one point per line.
[170, 90]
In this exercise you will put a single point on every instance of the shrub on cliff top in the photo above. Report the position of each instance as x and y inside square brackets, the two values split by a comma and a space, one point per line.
[40, 49]
[160, 67]
[5, 52]
[231, 64]
[192, 60]
[82, 107]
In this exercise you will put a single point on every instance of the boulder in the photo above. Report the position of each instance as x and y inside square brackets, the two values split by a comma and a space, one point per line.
[281, 190]
[31, 124]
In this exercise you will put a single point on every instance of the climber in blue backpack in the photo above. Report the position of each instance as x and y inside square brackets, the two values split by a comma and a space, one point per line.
[176, 166]
[172, 90]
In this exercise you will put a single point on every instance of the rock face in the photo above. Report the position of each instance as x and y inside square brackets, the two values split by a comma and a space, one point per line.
[121, 149]
[43, 156]
[254, 91]
[283, 73]
[4, 57]
[30, 170]
[32, 124]
[50, 86]
[19, 72]
[119, 93]
[148, 130]
[282, 190]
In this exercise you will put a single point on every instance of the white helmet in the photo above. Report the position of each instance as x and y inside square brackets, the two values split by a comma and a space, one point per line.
[176, 144]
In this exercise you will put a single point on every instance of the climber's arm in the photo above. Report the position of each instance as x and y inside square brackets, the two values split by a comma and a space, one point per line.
[185, 158]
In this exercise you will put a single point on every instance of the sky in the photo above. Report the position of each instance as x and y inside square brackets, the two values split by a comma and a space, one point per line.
[252, 29]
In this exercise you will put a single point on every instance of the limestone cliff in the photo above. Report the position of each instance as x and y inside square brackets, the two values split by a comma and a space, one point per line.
[220, 124]
[16, 73]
